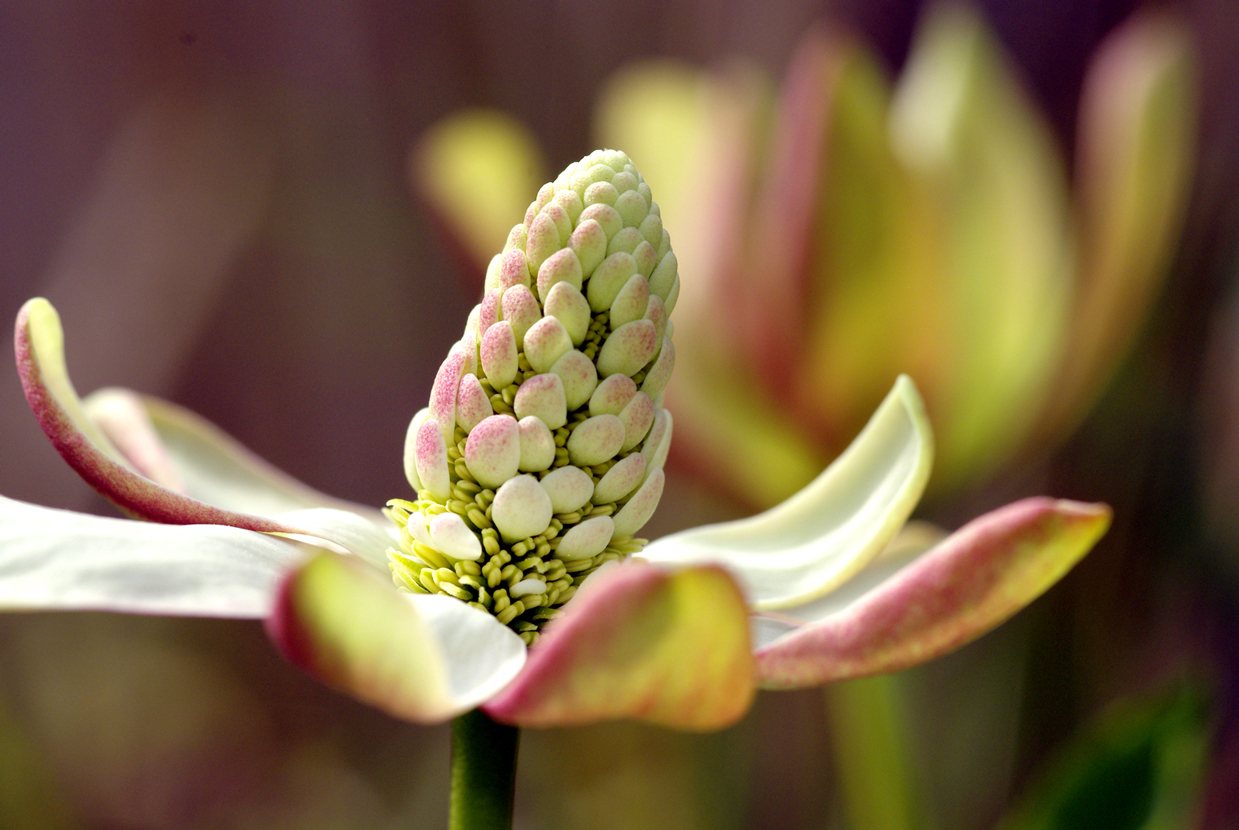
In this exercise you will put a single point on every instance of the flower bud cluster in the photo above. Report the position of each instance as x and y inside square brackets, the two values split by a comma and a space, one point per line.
[540, 454]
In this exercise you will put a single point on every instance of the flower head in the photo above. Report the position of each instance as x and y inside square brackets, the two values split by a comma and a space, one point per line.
[540, 455]
[539, 458]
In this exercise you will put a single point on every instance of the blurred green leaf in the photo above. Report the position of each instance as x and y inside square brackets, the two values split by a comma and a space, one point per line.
[1138, 767]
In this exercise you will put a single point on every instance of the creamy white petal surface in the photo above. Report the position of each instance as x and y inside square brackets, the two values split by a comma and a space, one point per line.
[61, 560]
[819, 538]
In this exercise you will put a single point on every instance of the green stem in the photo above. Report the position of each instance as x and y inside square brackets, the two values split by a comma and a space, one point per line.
[868, 731]
[483, 773]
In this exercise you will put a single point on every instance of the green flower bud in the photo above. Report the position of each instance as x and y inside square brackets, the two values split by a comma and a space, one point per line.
[540, 454]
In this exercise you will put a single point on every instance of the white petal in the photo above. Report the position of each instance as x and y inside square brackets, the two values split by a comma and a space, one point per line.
[215, 468]
[353, 533]
[822, 536]
[57, 559]
[481, 654]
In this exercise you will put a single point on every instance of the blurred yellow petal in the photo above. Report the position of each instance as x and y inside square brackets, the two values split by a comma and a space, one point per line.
[418, 657]
[869, 292]
[624, 648]
[963, 124]
[477, 169]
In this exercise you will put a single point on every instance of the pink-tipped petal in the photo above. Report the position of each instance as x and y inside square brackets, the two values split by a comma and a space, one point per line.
[595, 440]
[488, 314]
[39, 344]
[543, 241]
[630, 304]
[522, 508]
[419, 657]
[568, 488]
[561, 266]
[589, 243]
[960, 589]
[546, 342]
[543, 397]
[637, 418]
[608, 279]
[210, 465]
[537, 445]
[620, 648]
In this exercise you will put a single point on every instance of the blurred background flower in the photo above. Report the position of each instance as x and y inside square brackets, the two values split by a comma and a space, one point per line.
[840, 231]
[214, 196]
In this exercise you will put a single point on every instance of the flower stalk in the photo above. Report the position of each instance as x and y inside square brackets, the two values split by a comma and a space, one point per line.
[483, 773]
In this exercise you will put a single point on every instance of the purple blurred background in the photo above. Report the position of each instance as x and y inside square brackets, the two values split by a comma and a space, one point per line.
[215, 196]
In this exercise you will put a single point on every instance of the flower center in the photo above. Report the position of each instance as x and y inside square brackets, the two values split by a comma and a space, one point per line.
[540, 455]
[524, 583]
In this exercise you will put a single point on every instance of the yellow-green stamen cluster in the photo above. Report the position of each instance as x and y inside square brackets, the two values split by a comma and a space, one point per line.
[541, 452]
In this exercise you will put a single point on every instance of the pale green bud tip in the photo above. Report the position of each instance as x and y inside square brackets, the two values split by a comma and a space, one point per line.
[540, 455]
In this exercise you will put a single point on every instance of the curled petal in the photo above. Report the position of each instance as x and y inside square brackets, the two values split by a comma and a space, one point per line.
[960, 589]
[620, 648]
[39, 344]
[208, 464]
[419, 657]
[819, 538]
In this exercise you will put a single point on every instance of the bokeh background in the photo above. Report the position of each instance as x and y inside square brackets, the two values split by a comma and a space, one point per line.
[221, 199]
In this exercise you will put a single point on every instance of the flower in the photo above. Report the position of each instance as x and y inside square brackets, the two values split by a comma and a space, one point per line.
[927, 226]
[821, 588]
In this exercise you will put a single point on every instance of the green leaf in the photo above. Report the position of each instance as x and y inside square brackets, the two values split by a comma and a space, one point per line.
[1139, 766]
